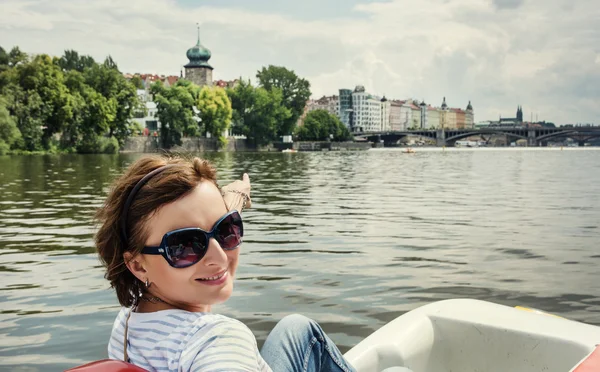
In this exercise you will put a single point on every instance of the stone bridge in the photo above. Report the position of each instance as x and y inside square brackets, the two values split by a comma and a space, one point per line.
[448, 137]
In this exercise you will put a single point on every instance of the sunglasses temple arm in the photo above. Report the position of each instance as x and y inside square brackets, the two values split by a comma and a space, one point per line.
[152, 250]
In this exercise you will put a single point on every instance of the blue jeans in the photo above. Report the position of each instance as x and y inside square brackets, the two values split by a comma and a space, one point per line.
[298, 344]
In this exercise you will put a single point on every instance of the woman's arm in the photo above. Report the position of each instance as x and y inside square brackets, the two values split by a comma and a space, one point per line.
[237, 194]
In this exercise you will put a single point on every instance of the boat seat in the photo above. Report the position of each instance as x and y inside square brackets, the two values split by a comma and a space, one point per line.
[591, 363]
[107, 365]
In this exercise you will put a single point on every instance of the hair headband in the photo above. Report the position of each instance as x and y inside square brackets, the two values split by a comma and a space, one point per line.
[132, 196]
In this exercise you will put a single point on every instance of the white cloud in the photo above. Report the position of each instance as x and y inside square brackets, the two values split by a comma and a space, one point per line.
[542, 54]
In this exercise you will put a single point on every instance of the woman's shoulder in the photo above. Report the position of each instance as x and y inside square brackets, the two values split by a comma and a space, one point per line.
[184, 336]
[210, 326]
[181, 322]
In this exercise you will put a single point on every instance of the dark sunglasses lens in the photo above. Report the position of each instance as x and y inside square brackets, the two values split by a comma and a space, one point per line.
[230, 231]
[185, 248]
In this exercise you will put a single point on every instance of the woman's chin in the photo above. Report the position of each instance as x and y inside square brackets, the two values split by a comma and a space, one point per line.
[219, 296]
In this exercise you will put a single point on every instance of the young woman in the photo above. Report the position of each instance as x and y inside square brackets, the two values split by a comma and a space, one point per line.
[170, 240]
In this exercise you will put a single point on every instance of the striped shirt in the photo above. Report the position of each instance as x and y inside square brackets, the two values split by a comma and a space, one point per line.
[179, 340]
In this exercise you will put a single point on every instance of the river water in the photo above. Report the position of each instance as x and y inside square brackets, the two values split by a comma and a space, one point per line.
[351, 239]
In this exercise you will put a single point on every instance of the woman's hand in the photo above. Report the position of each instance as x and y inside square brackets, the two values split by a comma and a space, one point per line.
[236, 193]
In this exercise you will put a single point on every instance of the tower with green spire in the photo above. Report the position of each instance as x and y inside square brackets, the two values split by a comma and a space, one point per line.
[198, 70]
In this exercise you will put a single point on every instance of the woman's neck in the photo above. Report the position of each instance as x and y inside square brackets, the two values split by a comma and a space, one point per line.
[149, 307]
[150, 304]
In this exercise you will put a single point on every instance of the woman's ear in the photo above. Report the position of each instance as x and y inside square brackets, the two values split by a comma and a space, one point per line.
[135, 264]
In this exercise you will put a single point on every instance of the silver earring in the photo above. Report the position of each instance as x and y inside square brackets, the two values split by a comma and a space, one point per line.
[147, 283]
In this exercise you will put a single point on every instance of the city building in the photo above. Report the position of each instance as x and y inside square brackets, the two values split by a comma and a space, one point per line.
[469, 117]
[433, 117]
[329, 104]
[444, 109]
[456, 118]
[450, 119]
[198, 70]
[226, 84]
[423, 109]
[363, 112]
[510, 122]
[415, 119]
[345, 107]
[397, 119]
[366, 110]
[386, 107]
[149, 119]
[460, 118]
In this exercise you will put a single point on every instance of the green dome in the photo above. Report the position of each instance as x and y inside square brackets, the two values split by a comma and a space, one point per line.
[198, 55]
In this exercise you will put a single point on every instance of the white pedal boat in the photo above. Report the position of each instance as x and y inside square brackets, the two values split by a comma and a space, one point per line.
[478, 336]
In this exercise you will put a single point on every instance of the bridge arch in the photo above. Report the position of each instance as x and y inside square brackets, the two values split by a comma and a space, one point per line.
[574, 134]
[457, 137]
[396, 136]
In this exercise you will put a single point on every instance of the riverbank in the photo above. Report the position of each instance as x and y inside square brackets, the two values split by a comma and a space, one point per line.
[197, 144]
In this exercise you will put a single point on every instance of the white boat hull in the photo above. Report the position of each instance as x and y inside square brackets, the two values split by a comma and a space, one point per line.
[475, 336]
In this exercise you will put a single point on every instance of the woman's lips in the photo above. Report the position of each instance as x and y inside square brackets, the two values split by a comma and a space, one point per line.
[216, 279]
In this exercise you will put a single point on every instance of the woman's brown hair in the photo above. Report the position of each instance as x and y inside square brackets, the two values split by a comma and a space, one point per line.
[165, 187]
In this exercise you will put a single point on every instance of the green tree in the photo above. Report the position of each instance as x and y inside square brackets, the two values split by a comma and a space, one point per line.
[320, 125]
[9, 133]
[110, 63]
[295, 93]
[89, 105]
[111, 84]
[3, 57]
[175, 107]
[15, 56]
[41, 99]
[5, 74]
[215, 112]
[137, 82]
[29, 112]
[257, 112]
[71, 60]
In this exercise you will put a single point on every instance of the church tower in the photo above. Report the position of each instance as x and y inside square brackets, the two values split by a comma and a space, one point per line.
[469, 116]
[520, 114]
[198, 71]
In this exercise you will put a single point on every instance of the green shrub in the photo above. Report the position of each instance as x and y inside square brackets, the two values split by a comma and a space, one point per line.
[4, 148]
[110, 145]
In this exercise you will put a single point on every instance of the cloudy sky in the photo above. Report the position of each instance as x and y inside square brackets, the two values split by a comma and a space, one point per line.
[542, 54]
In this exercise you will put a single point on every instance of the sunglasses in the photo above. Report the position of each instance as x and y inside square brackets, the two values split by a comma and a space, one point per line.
[185, 247]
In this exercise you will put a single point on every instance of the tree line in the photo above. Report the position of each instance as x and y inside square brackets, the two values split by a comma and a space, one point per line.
[74, 104]
[68, 104]
[263, 113]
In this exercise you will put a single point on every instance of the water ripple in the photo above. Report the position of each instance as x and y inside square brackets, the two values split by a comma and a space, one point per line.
[352, 240]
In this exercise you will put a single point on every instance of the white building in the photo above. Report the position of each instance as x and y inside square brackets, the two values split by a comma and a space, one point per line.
[367, 111]
[406, 110]
[150, 120]
[433, 118]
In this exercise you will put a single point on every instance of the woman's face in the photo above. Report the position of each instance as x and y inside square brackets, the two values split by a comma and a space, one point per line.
[187, 288]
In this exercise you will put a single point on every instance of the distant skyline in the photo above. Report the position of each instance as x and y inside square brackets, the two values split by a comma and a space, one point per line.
[541, 54]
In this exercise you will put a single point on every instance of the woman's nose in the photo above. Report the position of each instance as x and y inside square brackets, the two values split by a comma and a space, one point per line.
[215, 255]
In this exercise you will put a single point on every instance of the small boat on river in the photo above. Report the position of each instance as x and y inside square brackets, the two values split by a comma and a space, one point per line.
[409, 151]
[466, 336]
